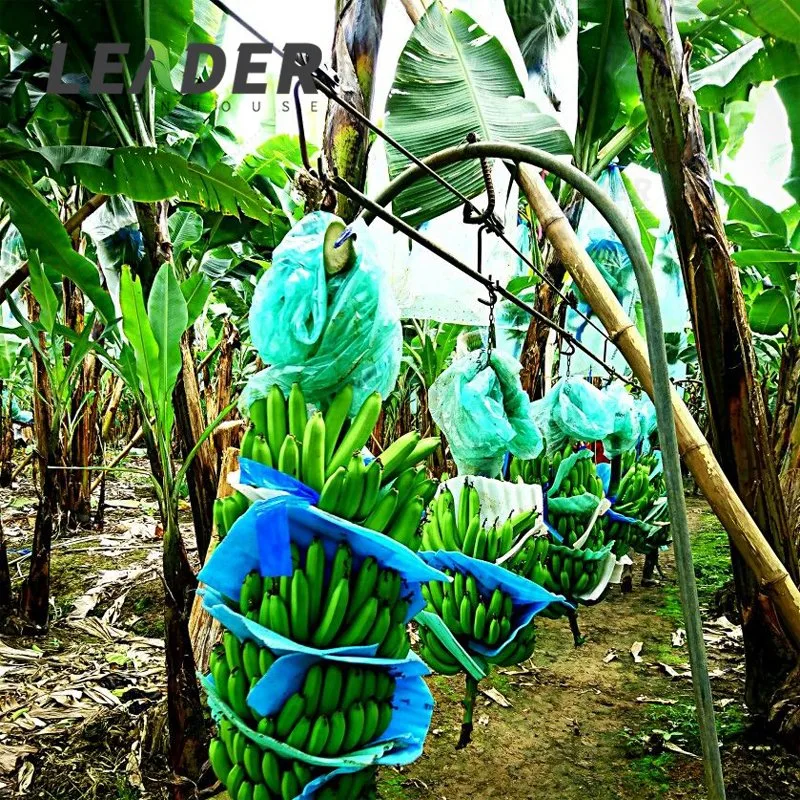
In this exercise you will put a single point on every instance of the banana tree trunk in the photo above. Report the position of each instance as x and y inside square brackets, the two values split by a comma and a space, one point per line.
[187, 727]
[84, 442]
[359, 27]
[6, 440]
[738, 418]
[35, 591]
[184, 706]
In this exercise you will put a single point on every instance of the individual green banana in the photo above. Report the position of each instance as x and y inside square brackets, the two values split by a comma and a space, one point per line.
[363, 586]
[354, 734]
[258, 416]
[315, 578]
[372, 486]
[279, 616]
[276, 422]
[289, 457]
[298, 736]
[383, 512]
[299, 608]
[313, 452]
[357, 434]
[291, 713]
[252, 589]
[319, 736]
[271, 771]
[372, 717]
[332, 491]
[406, 522]
[290, 786]
[298, 415]
[220, 760]
[353, 491]
[396, 453]
[236, 777]
[331, 689]
[252, 762]
[238, 689]
[351, 692]
[250, 660]
[333, 616]
[422, 449]
[335, 417]
[336, 734]
[356, 631]
[380, 627]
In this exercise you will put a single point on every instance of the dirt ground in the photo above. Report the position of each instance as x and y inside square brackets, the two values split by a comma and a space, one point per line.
[81, 710]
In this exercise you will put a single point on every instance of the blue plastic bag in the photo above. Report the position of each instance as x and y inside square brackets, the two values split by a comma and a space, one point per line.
[324, 332]
[484, 413]
[260, 539]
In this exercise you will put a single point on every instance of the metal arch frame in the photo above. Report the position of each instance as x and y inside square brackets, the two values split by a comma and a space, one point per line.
[661, 397]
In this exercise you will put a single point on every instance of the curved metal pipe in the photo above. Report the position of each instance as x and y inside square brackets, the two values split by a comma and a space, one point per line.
[662, 399]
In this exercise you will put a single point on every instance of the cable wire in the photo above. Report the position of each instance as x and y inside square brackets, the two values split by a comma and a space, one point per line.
[326, 85]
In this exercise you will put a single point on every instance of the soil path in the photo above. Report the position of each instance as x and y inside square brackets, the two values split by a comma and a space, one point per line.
[81, 711]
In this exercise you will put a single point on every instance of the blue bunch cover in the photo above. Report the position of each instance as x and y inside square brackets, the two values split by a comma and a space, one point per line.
[261, 538]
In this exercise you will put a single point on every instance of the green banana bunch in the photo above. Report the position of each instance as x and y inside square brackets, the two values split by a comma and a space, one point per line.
[250, 773]
[227, 510]
[324, 452]
[540, 470]
[435, 654]
[636, 492]
[582, 478]
[573, 573]
[519, 649]
[332, 602]
[460, 529]
[469, 614]
[338, 709]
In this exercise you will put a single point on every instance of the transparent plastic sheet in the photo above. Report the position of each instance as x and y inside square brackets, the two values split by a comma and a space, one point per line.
[320, 331]
[573, 410]
[610, 257]
[484, 413]
[669, 282]
[647, 422]
[627, 427]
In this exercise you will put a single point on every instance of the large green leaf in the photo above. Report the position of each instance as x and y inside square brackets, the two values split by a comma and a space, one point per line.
[169, 317]
[185, 229]
[789, 90]
[148, 175]
[769, 312]
[41, 230]
[43, 292]
[196, 289]
[647, 221]
[743, 207]
[781, 18]
[608, 88]
[723, 71]
[139, 333]
[454, 79]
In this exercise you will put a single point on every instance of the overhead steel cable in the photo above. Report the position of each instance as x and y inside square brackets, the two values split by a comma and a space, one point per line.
[326, 85]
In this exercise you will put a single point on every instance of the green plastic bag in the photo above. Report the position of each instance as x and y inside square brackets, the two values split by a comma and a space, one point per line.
[323, 331]
[484, 413]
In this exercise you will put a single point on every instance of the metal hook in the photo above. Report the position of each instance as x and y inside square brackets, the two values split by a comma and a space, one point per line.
[488, 218]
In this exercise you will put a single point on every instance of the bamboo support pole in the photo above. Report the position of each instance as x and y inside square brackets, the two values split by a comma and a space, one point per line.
[694, 449]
